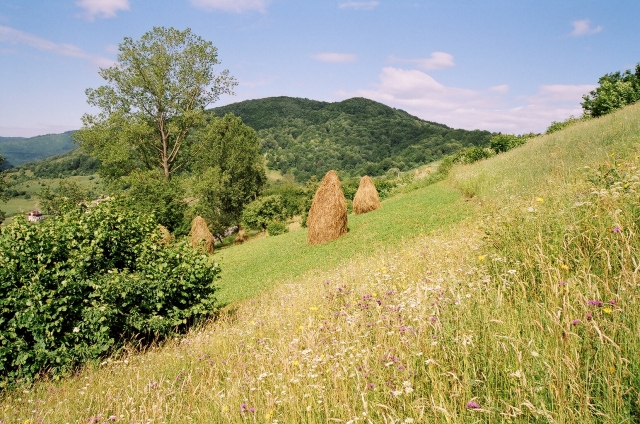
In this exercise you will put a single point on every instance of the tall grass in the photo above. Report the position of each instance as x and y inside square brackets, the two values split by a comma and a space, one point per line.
[527, 312]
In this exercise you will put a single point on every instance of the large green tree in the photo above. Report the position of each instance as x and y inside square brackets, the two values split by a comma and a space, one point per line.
[155, 96]
[614, 91]
[229, 173]
[3, 187]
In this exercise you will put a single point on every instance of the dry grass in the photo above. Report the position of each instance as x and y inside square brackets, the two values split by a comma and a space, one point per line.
[366, 198]
[327, 219]
[200, 235]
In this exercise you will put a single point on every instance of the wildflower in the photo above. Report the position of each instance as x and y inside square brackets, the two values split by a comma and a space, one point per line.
[589, 316]
[565, 267]
[575, 322]
[313, 308]
[243, 407]
[539, 200]
[607, 310]
[112, 418]
[616, 229]
[562, 283]
[612, 302]
[76, 330]
[481, 257]
[472, 405]
[252, 410]
[597, 303]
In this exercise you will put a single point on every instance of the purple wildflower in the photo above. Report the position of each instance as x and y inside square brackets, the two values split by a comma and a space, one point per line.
[575, 322]
[112, 418]
[372, 386]
[243, 407]
[612, 302]
[473, 405]
[616, 229]
[589, 316]
[595, 303]
[562, 283]
[252, 410]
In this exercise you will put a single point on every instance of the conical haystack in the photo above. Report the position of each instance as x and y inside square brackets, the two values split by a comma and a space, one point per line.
[167, 237]
[366, 198]
[327, 219]
[241, 236]
[200, 234]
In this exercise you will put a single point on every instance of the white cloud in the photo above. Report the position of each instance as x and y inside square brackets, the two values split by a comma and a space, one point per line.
[438, 60]
[583, 27]
[491, 109]
[237, 6]
[335, 57]
[359, 5]
[14, 36]
[102, 8]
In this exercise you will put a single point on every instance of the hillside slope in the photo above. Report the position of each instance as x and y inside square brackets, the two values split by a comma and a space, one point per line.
[19, 150]
[523, 307]
[356, 136]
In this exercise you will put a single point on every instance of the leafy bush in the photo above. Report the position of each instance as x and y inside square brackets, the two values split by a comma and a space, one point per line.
[557, 126]
[259, 213]
[62, 199]
[75, 287]
[293, 196]
[504, 142]
[275, 228]
[472, 154]
[615, 90]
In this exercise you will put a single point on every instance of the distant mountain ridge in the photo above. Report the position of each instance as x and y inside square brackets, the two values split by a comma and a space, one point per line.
[356, 136]
[299, 136]
[19, 150]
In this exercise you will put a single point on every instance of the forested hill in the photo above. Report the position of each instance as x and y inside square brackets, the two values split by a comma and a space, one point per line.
[357, 136]
[18, 150]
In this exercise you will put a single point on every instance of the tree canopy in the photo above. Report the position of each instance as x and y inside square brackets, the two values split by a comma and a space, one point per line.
[155, 95]
[614, 91]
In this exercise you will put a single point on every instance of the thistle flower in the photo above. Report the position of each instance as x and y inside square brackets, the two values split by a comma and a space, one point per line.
[575, 322]
[472, 405]
[597, 303]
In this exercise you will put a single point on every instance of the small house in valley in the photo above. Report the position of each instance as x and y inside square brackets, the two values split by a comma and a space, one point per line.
[35, 216]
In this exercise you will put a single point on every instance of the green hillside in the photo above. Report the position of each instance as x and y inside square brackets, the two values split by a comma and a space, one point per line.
[71, 163]
[356, 136]
[508, 292]
[19, 150]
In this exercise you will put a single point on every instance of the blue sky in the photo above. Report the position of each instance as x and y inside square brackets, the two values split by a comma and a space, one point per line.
[502, 65]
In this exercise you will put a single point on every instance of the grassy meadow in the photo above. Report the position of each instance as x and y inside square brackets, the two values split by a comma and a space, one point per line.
[32, 186]
[506, 293]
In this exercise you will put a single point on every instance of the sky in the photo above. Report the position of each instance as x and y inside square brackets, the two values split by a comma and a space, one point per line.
[510, 66]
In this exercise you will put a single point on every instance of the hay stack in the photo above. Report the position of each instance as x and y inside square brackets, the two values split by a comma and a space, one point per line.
[327, 218]
[200, 234]
[366, 198]
[242, 236]
[167, 237]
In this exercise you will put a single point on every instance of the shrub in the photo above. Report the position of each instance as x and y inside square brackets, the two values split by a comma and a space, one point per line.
[504, 142]
[259, 213]
[472, 154]
[275, 228]
[75, 287]
[557, 126]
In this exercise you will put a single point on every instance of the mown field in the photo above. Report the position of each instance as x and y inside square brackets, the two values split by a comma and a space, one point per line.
[506, 293]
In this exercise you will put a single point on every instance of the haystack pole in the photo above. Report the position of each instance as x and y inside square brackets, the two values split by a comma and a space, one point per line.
[366, 198]
[200, 234]
[327, 219]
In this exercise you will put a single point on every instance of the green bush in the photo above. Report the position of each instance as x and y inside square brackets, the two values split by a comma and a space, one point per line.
[504, 142]
[275, 228]
[614, 91]
[75, 287]
[259, 213]
[559, 125]
[472, 154]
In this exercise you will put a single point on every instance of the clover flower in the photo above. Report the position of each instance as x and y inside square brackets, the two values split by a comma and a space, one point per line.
[472, 405]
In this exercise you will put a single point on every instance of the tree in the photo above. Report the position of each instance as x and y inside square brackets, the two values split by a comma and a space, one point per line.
[229, 173]
[261, 212]
[65, 198]
[155, 95]
[3, 187]
[615, 91]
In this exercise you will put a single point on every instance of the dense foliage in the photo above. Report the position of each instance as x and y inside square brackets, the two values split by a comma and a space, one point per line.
[356, 136]
[614, 91]
[75, 162]
[19, 150]
[559, 125]
[76, 287]
[153, 98]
